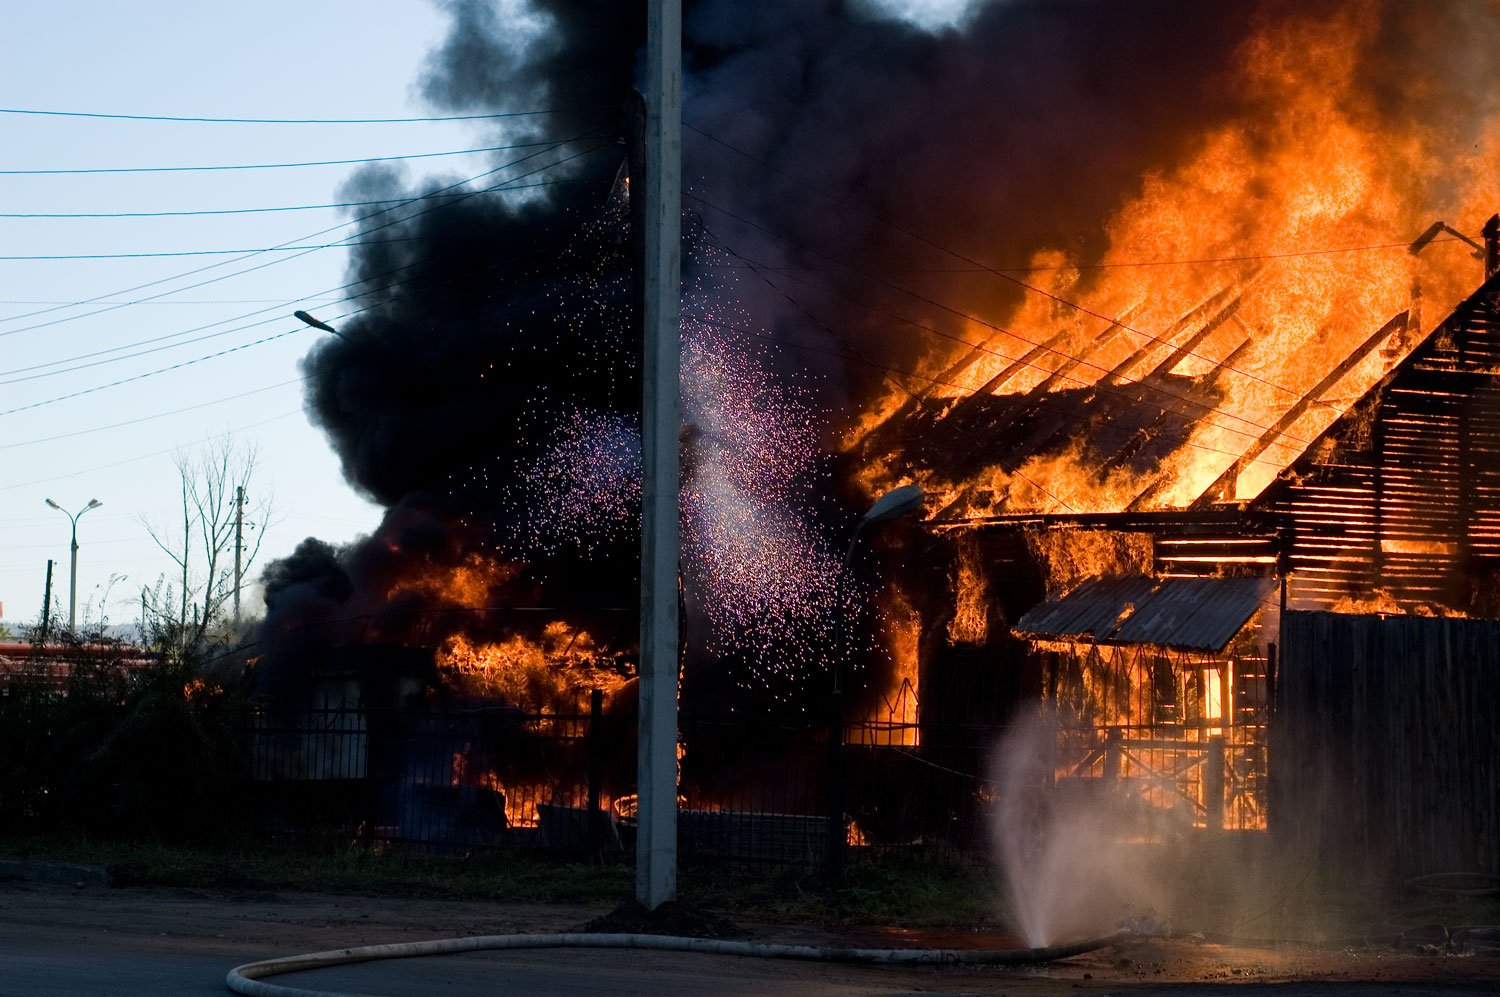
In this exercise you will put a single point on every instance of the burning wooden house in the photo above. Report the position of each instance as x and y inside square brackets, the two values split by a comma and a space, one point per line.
[1127, 515]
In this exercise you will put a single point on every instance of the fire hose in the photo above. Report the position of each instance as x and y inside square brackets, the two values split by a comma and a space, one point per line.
[247, 979]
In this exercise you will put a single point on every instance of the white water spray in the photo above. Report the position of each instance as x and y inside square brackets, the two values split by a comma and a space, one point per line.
[1069, 848]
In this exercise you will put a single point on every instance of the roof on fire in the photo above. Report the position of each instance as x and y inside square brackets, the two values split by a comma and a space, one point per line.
[1190, 614]
[1138, 434]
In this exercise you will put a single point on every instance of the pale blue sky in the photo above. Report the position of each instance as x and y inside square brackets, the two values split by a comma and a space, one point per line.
[270, 59]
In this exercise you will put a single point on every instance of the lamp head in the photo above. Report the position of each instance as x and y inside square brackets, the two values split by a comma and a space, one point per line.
[52, 504]
[93, 504]
[896, 503]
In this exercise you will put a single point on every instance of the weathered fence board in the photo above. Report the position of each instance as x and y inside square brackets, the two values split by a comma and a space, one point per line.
[1387, 750]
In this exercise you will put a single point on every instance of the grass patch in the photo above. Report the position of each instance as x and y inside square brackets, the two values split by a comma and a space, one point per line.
[483, 876]
[902, 894]
[877, 894]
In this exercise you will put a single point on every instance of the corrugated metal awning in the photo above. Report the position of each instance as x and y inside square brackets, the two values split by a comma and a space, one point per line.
[1191, 614]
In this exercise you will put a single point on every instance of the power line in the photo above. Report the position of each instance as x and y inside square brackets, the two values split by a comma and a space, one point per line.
[35, 371]
[161, 370]
[217, 354]
[1113, 266]
[856, 354]
[287, 121]
[354, 241]
[214, 266]
[196, 302]
[1208, 409]
[282, 303]
[256, 211]
[155, 453]
[967, 391]
[273, 166]
[1003, 275]
[1062, 375]
[151, 418]
[283, 259]
[841, 354]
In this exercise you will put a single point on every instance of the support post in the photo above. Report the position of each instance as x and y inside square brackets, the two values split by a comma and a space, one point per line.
[47, 601]
[596, 772]
[656, 776]
[1213, 784]
[838, 834]
[73, 582]
[1112, 749]
[239, 546]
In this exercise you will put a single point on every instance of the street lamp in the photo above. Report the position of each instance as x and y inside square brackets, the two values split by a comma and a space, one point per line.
[73, 568]
[893, 504]
[302, 316]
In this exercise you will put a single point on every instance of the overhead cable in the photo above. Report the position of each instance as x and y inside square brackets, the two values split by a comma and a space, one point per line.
[1002, 274]
[250, 211]
[273, 166]
[39, 112]
[967, 316]
[283, 259]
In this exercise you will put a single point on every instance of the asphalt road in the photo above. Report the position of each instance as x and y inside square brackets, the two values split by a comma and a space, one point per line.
[70, 942]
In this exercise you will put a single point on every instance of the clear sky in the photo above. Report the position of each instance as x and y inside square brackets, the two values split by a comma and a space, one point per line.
[271, 59]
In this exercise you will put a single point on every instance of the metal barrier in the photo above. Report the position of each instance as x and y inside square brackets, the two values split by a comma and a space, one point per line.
[562, 782]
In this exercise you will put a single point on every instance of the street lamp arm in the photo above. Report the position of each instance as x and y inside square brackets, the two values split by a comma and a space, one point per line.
[73, 518]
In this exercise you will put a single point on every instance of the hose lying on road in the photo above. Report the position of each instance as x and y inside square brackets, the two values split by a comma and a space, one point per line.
[247, 979]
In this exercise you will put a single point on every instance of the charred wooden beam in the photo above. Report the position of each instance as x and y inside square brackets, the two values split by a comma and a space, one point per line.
[1226, 480]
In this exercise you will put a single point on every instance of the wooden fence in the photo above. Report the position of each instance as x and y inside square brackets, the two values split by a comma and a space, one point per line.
[1385, 750]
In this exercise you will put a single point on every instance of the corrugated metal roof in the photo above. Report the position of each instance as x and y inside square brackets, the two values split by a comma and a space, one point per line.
[1089, 612]
[1193, 614]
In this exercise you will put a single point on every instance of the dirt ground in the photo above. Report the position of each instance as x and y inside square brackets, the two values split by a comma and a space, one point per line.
[210, 929]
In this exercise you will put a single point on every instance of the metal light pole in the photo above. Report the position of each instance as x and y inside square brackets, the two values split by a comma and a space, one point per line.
[73, 567]
[893, 504]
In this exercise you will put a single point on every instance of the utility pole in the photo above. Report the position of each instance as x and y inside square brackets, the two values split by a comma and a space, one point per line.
[47, 601]
[656, 776]
[239, 545]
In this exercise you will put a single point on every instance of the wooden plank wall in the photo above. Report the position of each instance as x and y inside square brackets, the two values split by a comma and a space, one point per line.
[1402, 495]
[1385, 750]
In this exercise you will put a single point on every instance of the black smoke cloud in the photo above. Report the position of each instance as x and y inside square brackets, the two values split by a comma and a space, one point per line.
[1024, 129]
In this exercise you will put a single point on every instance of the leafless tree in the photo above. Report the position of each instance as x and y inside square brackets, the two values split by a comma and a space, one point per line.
[213, 481]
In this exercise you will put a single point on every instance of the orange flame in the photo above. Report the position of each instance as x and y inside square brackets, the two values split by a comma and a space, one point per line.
[559, 668]
[1263, 207]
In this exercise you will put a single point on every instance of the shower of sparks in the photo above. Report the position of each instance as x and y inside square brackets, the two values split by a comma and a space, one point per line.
[769, 585]
[584, 491]
[758, 568]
